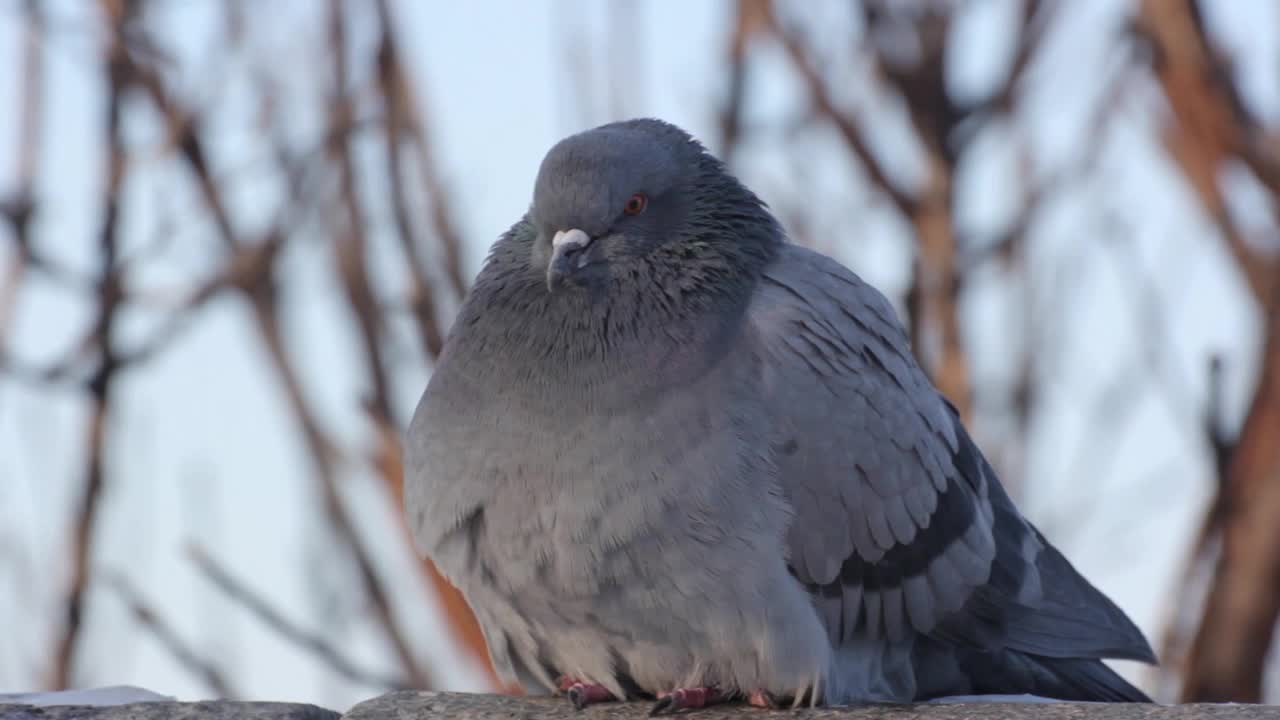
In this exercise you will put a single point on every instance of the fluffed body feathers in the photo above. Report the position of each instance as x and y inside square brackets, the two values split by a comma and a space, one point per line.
[707, 457]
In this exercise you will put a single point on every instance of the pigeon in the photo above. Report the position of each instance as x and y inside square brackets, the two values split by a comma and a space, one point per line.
[668, 454]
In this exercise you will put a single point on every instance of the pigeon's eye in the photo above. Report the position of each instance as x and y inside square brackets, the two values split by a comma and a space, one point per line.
[635, 204]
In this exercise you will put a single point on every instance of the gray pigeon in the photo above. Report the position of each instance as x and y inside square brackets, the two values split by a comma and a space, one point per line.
[666, 454]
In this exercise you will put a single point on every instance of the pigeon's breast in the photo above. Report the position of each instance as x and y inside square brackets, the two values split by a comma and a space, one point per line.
[576, 497]
[630, 537]
[591, 500]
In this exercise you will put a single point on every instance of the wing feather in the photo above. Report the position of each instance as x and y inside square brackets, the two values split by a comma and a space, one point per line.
[901, 526]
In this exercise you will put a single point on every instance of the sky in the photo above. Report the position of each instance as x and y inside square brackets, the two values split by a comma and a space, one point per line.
[203, 448]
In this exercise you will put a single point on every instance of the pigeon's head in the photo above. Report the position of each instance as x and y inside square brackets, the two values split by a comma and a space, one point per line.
[607, 198]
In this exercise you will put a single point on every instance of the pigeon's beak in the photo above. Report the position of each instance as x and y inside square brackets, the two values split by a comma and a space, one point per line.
[566, 256]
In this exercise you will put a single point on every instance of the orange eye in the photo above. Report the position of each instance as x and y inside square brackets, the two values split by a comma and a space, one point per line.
[635, 204]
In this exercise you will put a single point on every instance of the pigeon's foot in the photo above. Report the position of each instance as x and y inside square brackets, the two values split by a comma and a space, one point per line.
[762, 699]
[583, 694]
[693, 698]
[687, 699]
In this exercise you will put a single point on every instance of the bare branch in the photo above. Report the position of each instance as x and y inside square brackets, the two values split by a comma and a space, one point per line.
[314, 643]
[1229, 654]
[263, 297]
[1208, 125]
[752, 17]
[100, 385]
[937, 281]
[18, 209]
[405, 109]
[932, 298]
[349, 247]
[387, 456]
[147, 616]
[825, 107]
[401, 122]
[1037, 18]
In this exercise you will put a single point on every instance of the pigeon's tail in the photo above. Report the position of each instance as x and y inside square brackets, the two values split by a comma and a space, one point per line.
[1077, 679]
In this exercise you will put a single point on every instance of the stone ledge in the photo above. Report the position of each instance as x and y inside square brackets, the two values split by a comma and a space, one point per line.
[208, 710]
[459, 706]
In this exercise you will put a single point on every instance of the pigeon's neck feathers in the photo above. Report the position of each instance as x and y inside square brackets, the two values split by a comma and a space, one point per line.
[673, 312]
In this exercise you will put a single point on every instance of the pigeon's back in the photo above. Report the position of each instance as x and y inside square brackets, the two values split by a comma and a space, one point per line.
[928, 579]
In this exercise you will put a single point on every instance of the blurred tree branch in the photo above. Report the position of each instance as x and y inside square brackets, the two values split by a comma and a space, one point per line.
[101, 383]
[941, 127]
[147, 616]
[312, 642]
[752, 18]
[1208, 128]
[1209, 125]
[18, 207]
[402, 121]
[1228, 656]
[250, 269]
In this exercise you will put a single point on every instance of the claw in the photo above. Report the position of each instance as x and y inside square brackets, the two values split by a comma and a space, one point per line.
[686, 699]
[578, 696]
[583, 694]
[762, 699]
[663, 705]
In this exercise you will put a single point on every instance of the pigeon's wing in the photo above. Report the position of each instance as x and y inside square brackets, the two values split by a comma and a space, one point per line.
[900, 524]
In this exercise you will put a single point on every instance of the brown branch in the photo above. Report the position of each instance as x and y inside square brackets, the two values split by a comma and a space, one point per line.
[939, 285]
[182, 132]
[1180, 629]
[186, 657]
[32, 74]
[101, 384]
[67, 371]
[1078, 169]
[1208, 125]
[825, 107]
[314, 643]
[937, 279]
[353, 271]
[752, 17]
[409, 119]
[1222, 445]
[19, 208]
[1037, 18]
[247, 265]
[1207, 128]
[262, 298]
[1228, 656]
[400, 121]
[441, 217]
[250, 269]
[252, 272]
[938, 276]
[350, 247]
[178, 319]
[934, 292]
[858, 146]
